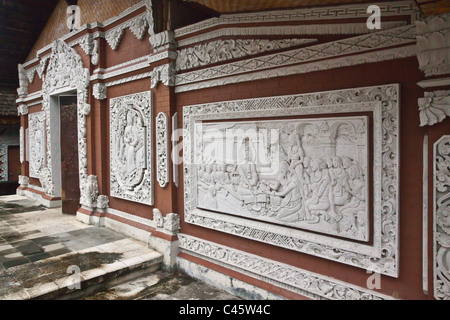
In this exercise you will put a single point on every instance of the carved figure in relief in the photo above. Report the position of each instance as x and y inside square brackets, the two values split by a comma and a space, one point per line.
[311, 177]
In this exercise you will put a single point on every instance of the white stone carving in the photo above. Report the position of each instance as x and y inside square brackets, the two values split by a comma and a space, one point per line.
[382, 101]
[22, 144]
[441, 209]
[3, 162]
[165, 74]
[162, 149]
[23, 81]
[306, 283]
[163, 41]
[158, 219]
[22, 109]
[434, 107]
[172, 222]
[137, 25]
[89, 192]
[38, 146]
[42, 66]
[102, 202]
[310, 174]
[131, 147]
[433, 45]
[354, 45]
[176, 135]
[224, 50]
[24, 181]
[65, 70]
[100, 91]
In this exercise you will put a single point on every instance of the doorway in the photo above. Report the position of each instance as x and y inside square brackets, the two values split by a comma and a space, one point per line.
[70, 183]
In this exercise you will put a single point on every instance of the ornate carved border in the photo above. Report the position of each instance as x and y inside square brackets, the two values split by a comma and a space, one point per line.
[4, 162]
[383, 255]
[65, 71]
[441, 224]
[162, 149]
[140, 103]
[306, 283]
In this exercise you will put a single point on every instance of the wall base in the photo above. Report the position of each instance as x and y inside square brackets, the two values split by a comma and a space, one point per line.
[146, 234]
[43, 199]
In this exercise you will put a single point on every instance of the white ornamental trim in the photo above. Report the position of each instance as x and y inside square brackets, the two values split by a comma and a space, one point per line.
[408, 8]
[365, 43]
[371, 57]
[306, 283]
[383, 255]
[441, 213]
[229, 49]
[162, 149]
[310, 29]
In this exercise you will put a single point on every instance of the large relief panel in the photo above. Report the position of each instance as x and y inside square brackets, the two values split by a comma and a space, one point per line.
[37, 132]
[306, 173]
[130, 147]
[315, 173]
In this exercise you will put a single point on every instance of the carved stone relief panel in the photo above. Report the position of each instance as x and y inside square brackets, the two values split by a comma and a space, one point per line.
[305, 173]
[442, 218]
[37, 132]
[162, 149]
[131, 147]
[318, 180]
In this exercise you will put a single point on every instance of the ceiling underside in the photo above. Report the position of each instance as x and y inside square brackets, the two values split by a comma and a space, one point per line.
[21, 22]
[428, 7]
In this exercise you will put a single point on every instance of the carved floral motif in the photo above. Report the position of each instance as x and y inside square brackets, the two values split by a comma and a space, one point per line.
[162, 149]
[434, 107]
[224, 50]
[442, 218]
[38, 147]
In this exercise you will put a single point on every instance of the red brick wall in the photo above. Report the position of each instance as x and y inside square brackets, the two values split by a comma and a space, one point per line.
[405, 72]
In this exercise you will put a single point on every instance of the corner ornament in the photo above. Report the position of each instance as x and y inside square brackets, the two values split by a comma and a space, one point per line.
[434, 107]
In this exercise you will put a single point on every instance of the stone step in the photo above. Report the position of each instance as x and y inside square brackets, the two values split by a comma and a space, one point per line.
[77, 274]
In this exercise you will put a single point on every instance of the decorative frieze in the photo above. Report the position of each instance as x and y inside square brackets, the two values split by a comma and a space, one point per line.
[131, 147]
[306, 283]
[38, 147]
[433, 45]
[434, 107]
[396, 8]
[441, 209]
[355, 45]
[224, 50]
[382, 101]
[162, 149]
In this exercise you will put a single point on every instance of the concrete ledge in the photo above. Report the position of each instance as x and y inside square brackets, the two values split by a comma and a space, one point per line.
[89, 281]
[40, 197]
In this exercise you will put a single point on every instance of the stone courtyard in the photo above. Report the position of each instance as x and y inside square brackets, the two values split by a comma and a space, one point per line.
[41, 251]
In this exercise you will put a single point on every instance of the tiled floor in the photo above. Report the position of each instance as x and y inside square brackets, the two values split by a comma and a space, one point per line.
[29, 233]
[38, 246]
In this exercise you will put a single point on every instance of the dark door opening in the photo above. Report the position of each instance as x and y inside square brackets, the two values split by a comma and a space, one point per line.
[70, 183]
